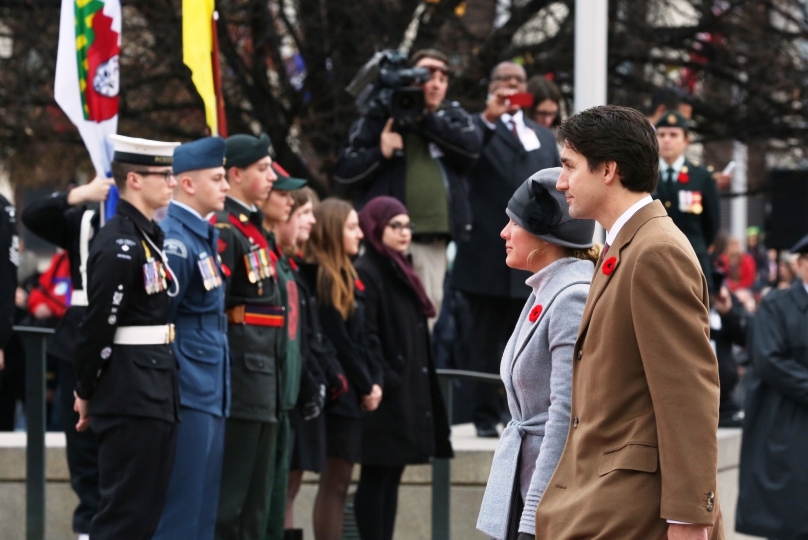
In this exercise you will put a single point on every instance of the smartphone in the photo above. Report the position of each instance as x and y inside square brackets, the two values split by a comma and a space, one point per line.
[522, 99]
[729, 168]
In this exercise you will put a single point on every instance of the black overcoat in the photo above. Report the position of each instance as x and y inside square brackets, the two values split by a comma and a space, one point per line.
[773, 499]
[504, 164]
[410, 426]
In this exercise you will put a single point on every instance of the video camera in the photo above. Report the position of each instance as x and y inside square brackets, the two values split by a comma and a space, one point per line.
[385, 88]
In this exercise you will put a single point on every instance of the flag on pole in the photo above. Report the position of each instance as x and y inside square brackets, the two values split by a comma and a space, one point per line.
[87, 73]
[197, 48]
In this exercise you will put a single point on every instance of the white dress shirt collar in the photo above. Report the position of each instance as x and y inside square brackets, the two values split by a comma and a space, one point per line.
[677, 167]
[185, 206]
[611, 234]
[251, 208]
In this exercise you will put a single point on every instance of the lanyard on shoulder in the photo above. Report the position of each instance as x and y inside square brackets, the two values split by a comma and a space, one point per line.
[164, 259]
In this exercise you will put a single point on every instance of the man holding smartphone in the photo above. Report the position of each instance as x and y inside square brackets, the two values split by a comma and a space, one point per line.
[514, 148]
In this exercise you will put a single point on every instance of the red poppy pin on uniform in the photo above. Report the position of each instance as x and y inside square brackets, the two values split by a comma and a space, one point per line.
[359, 285]
[534, 313]
[684, 178]
[609, 265]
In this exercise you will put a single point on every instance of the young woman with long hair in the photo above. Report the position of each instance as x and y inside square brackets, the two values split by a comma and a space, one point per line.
[536, 367]
[334, 241]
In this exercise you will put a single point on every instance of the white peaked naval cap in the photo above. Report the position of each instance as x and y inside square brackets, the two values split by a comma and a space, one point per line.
[142, 151]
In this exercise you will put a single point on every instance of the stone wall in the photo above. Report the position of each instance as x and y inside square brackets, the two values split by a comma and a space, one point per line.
[469, 473]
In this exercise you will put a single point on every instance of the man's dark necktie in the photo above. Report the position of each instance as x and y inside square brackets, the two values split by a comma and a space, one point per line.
[670, 174]
[512, 124]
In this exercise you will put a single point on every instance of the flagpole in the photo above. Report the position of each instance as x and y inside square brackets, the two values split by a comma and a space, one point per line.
[221, 119]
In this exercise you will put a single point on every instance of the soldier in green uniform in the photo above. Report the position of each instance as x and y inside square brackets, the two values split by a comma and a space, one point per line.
[256, 322]
[687, 190]
[277, 209]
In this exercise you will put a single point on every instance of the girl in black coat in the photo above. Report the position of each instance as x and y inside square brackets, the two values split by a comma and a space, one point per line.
[410, 426]
[334, 239]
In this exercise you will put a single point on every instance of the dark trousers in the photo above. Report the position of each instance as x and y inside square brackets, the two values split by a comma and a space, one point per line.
[493, 320]
[82, 454]
[247, 467]
[376, 501]
[276, 517]
[134, 466]
[193, 493]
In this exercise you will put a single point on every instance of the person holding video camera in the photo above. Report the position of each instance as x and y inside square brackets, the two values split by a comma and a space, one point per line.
[421, 160]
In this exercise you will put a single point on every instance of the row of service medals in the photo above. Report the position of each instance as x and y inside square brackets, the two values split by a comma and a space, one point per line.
[154, 274]
[210, 275]
[690, 202]
[258, 267]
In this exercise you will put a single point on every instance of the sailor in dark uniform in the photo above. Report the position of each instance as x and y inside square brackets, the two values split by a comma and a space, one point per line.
[69, 220]
[200, 342]
[688, 191]
[9, 261]
[255, 316]
[124, 362]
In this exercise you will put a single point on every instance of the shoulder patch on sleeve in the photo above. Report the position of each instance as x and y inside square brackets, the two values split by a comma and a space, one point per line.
[173, 246]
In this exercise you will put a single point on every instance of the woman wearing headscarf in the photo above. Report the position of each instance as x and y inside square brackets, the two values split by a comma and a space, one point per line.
[410, 426]
[536, 367]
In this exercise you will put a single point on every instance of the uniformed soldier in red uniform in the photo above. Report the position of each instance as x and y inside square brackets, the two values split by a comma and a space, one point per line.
[256, 320]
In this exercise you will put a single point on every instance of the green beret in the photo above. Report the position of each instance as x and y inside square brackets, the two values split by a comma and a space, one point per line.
[244, 150]
[673, 119]
[284, 181]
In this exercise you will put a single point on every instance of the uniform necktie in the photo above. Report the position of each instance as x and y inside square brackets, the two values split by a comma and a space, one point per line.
[670, 174]
[512, 124]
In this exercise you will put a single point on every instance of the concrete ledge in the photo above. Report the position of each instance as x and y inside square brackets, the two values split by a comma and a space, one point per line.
[470, 470]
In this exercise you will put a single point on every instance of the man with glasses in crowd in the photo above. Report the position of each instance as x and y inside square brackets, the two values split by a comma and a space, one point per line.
[125, 368]
[422, 165]
[514, 148]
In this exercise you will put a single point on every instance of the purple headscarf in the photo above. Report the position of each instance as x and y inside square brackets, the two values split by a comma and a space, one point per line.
[373, 219]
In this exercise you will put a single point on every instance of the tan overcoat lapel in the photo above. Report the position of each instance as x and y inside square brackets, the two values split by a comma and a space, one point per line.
[624, 238]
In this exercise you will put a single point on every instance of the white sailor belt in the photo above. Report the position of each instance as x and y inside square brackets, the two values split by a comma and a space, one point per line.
[78, 298]
[144, 335]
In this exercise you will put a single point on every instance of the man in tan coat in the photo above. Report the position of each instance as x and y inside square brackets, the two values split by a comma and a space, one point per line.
[641, 455]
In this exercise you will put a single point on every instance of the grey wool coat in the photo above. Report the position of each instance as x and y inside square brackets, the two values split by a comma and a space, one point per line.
[537, 371]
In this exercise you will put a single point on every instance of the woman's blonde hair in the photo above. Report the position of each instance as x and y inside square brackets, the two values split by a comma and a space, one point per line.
[336, 274]
[591, 254]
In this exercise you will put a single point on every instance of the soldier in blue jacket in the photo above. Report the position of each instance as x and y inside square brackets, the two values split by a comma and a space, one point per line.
[200, 343]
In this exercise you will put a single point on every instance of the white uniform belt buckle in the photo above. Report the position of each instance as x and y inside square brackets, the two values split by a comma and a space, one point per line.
[144, 335]
[78, 298]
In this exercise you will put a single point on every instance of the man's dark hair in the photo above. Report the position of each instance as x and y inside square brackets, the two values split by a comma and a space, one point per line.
[429, 53]
[619, 134]
[120, 171]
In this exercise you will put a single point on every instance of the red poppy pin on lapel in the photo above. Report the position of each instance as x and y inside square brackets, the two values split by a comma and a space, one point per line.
[534, 313]
[609, 265]
[684, 178]
[359, 285]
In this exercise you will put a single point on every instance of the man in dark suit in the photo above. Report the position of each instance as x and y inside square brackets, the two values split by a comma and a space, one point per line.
[514, 148]
[687, 191]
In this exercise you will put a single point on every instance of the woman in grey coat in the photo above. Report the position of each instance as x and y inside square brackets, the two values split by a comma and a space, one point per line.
[536, 367]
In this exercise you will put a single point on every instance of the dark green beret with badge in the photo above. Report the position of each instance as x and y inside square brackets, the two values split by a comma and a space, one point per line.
[244, 150]
[673, 119]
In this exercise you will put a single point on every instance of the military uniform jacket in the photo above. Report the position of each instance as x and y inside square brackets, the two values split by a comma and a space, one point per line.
[55, 221]
[290, 356]
[642, 446]
[253, 349]
[9, 261]
[197, 312]
[692, 203]
[129, 380]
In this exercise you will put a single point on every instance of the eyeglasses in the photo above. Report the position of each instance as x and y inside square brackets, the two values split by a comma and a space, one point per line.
[506, 78]
[167, 175]
[399, 227]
